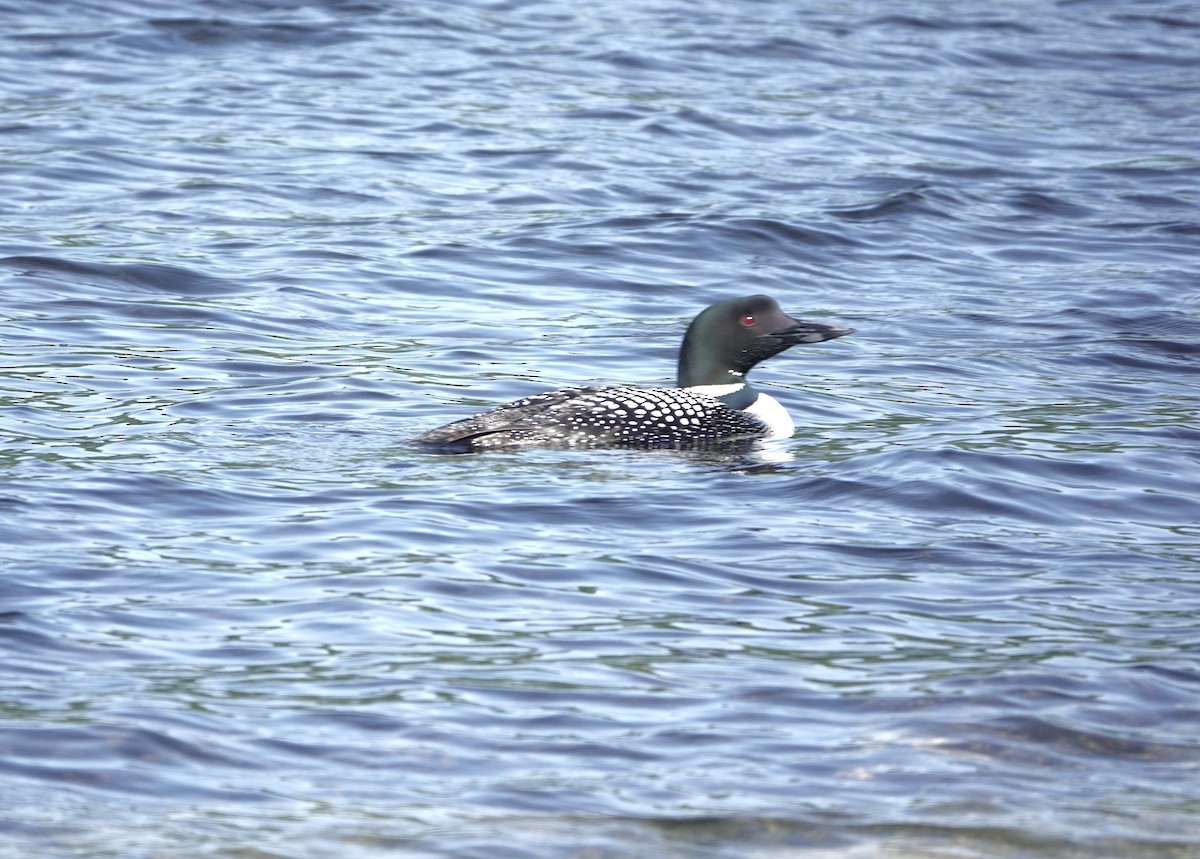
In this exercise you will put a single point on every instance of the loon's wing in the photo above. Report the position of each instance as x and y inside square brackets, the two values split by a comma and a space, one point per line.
[517, 424]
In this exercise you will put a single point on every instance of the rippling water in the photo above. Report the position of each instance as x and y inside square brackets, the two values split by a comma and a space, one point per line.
[249, 247]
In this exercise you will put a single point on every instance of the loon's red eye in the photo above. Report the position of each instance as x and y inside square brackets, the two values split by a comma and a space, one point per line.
[747, 320]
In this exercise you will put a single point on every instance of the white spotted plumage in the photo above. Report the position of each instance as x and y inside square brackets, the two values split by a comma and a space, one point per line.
[604, 417]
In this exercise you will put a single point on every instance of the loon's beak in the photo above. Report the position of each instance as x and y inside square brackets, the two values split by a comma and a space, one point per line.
[801, 331]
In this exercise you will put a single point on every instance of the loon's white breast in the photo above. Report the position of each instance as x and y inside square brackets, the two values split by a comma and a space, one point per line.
[768, 410]
[765, 407]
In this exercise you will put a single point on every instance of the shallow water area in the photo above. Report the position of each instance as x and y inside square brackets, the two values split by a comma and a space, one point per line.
[249, 248]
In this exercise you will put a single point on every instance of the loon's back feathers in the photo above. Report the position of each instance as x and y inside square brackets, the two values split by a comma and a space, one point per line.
[602, 417]
[713, 407]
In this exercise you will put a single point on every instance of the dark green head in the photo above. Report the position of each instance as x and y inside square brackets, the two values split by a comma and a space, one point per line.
[725, 341]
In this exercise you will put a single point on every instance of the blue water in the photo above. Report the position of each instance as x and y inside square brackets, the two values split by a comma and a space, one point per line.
[247, 248]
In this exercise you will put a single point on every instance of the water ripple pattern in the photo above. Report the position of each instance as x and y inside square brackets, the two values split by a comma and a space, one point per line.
[248, 247]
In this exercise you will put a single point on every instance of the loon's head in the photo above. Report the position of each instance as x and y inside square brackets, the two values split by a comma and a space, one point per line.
[725, 341]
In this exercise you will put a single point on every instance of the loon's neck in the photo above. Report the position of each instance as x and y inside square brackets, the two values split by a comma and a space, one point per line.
[736, 395]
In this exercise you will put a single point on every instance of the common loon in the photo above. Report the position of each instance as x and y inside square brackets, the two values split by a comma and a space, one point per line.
[713, 407]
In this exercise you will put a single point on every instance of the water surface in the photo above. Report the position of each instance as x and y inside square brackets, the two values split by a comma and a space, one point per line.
[248, 248]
